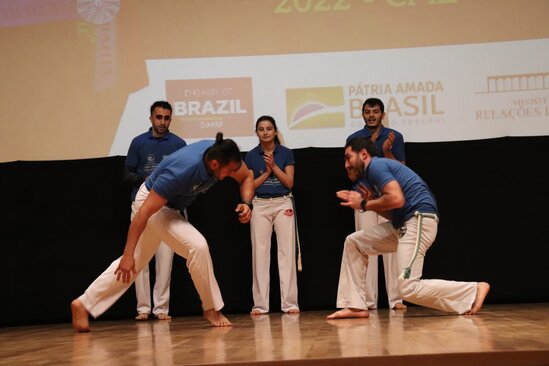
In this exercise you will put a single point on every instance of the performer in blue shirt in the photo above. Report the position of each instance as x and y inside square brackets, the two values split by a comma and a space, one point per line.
[400, 195]
[145, 153]
[273, 168]
[389, 144]
[171, 187]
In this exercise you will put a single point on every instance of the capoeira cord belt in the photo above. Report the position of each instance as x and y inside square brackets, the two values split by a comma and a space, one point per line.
[298, 246]
[408, 269]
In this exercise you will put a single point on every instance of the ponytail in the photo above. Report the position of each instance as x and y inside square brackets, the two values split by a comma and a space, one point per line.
[223, 150]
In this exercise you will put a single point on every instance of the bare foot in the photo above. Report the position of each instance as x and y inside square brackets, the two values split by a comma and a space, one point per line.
[293, 311]
[80, 321]
[349, 322]
[163, 316]
[142, 316]
[216, 318]
[482, 291]
[349, 313]
[399, 306]
[257, 312]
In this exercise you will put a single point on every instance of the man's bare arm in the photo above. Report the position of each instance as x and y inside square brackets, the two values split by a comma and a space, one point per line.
[391, 198]
[245, 177]
[152, 204]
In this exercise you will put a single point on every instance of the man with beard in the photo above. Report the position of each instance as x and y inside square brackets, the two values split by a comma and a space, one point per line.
[171, 188]
[396, 192]
[145, 153]
[389, 143]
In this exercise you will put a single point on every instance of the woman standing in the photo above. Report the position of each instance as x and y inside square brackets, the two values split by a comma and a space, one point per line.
[273, 167]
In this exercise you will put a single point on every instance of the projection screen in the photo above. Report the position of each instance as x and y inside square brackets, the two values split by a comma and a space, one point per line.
[79, 76]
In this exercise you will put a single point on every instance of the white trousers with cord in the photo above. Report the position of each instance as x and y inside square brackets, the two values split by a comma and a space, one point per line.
[277, 213]
[449, 296]
[168, 226]
[364, 220]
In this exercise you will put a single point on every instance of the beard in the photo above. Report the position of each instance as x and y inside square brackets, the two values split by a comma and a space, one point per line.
[356, 172]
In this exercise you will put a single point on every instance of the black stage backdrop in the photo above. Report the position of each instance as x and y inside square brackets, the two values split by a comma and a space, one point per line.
[64, 222]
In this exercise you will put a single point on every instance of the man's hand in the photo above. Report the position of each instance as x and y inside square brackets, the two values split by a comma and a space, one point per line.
[126, 269]
[375, 136]
[244, 213]
[365, 192]
[350, 199]
[388, 144]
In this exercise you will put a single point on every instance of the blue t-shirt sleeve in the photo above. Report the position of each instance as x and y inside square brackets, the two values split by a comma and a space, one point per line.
[132, 159]
[398, 147]
[290, 158]
[353, 136]
[181, 143]
[381, 175]
[248, 160]
[167, 184]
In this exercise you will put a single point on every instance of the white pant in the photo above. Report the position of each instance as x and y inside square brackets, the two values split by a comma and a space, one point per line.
[168, 226]
[277, 212]
[364, 220]
[161, 293]
[449, 296]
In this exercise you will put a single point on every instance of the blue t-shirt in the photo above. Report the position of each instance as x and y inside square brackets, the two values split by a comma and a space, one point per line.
[147, 151]
[417, 194]
[272, 186]
[398, 144]
[182, 176]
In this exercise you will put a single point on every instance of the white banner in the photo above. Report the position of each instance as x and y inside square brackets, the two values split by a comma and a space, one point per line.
[446, 93]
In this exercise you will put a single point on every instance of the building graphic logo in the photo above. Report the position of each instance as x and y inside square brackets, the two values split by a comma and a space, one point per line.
[515, 97]
[203, 107]
[517, 83]
[315, 108]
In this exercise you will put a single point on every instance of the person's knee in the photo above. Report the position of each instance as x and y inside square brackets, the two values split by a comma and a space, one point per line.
[407, 289]
[199, 247]
[350, 242]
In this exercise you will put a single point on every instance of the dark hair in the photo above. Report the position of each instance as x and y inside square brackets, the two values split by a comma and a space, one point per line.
[272, 120]
[162, 104]
[360, 143]
[223, 150]
[372, 102]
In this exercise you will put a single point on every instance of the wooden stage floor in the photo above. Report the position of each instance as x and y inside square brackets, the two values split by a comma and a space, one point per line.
[515, 334]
